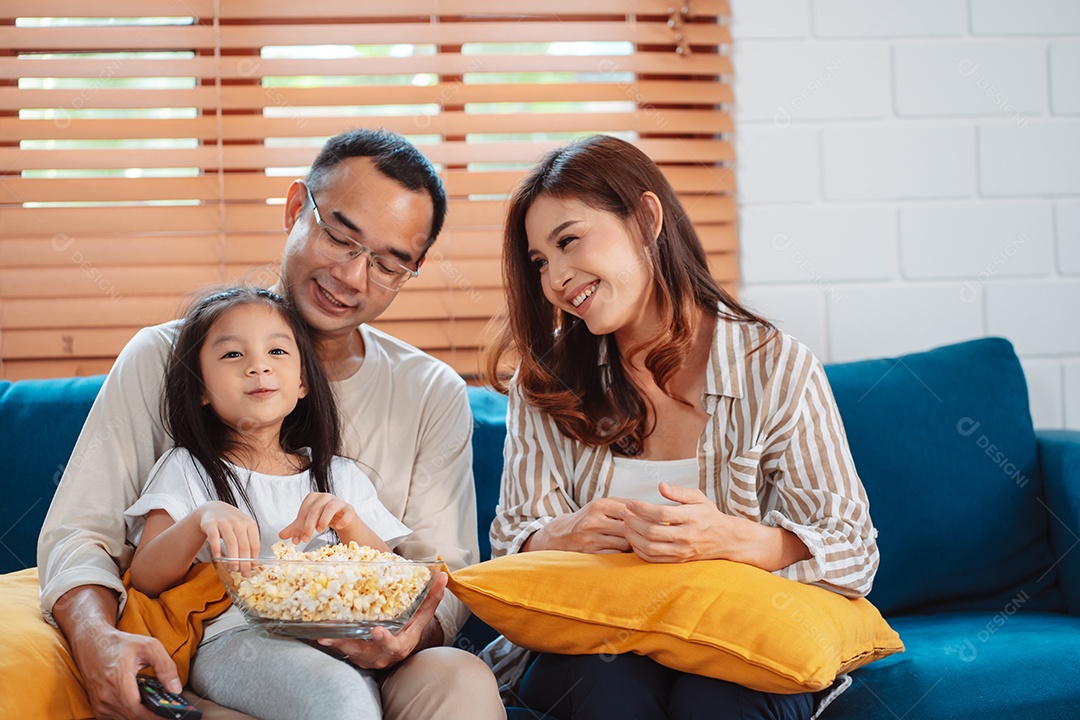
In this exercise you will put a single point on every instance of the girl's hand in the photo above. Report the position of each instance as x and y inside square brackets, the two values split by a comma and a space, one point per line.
[318, 512]
[225, 523]
[596, 528]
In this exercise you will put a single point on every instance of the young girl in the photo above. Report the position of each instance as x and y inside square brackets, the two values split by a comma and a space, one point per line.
[652, 413]
[256, 431]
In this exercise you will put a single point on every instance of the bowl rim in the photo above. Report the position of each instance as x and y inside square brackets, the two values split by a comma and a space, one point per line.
[325, 561]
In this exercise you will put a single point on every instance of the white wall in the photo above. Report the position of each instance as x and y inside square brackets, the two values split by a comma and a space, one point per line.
[909, 176]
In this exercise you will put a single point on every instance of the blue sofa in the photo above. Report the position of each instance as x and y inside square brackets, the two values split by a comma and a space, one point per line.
[978, 516]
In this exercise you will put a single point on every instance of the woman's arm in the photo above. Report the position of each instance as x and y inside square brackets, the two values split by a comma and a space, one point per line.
[798, 478]
[168, 548]
[537, 505]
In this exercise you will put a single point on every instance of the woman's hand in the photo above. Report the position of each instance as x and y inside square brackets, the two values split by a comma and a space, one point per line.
[318, 512]
[695, 529]
[221, 523]
[596, 528]
[385, 649]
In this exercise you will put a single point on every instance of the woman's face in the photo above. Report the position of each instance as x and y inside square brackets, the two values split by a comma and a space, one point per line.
[591, 265]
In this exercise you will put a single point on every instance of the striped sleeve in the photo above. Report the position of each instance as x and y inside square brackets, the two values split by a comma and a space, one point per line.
[819, 496]
[536, 479]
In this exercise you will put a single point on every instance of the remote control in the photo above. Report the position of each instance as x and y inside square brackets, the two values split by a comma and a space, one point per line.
[164, 703]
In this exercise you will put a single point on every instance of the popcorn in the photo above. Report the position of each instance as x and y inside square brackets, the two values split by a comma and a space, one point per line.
[330, 591]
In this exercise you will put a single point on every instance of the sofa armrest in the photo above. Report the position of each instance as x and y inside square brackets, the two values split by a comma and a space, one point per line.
[1059, 460]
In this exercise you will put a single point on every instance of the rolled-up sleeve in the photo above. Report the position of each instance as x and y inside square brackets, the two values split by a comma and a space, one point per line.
[83, 538]
[537, 467]
[819, 496]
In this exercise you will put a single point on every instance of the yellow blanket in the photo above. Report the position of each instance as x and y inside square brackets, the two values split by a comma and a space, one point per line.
[38, 676]
[176, 616]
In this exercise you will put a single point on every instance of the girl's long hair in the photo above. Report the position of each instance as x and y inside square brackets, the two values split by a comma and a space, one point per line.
[557, 357]
[197, 428]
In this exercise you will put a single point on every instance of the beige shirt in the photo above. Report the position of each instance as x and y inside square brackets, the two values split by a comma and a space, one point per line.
[405, 418]
[773, 451]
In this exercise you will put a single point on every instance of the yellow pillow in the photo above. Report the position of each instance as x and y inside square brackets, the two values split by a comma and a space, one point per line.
[714, 618]
[38, 677]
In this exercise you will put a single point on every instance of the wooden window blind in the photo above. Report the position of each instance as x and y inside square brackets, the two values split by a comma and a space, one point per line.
[146, 145]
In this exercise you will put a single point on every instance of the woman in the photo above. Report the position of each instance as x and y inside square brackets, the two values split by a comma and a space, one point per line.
[652, 413]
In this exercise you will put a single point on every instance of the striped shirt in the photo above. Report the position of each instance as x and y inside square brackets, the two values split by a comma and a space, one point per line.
[773, 451]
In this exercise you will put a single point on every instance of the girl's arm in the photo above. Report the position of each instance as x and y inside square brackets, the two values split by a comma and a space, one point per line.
[168, 548]
[320, 511]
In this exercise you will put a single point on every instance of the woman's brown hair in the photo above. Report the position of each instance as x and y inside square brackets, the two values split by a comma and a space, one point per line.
[558, 370]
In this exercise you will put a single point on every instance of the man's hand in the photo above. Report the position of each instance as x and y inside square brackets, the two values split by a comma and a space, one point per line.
[384, 649]
[107, 658]
[596, 528]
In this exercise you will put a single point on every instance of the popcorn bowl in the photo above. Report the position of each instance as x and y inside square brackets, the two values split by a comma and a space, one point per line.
[329, 597]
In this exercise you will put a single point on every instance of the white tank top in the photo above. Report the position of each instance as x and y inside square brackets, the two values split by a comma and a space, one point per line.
[635, 479]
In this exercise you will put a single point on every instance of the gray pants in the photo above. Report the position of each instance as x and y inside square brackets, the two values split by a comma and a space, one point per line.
[276, 678]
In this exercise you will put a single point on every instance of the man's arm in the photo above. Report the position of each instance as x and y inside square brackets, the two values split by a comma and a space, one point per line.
[83, 538]
[82, 547]
[108, 658]
[441, 508]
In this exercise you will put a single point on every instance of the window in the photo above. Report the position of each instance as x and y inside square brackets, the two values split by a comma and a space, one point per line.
[146, 154]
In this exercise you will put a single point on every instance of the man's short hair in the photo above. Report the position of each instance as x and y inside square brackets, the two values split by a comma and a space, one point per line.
[394, 156]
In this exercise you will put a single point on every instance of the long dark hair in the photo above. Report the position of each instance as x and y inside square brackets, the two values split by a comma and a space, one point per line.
[197, 428]
[555, 352]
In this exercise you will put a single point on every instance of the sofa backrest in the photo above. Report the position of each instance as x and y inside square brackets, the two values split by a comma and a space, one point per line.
[944, 443]
[39, 423]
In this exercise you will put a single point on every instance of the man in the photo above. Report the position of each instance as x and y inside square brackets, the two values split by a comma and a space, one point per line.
[358, 228]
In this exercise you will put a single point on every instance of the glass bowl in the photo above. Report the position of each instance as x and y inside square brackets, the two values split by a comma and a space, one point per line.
[326, 598]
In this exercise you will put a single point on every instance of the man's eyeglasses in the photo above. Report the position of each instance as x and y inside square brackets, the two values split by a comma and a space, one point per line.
[381, 270]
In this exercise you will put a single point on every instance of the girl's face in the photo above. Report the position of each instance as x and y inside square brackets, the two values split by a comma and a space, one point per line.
[251, 368]
[590, 265]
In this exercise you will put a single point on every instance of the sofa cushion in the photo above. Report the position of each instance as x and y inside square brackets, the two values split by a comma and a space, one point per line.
[41, 419]
[1008, 663]
[944, 444]
[715, 618]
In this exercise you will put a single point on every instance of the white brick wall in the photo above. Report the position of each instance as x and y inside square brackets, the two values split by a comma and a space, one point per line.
[872, 320]
[821, 245]
[1044, 381]
[1067, 225]
[762, 150]
[1025, 17]
[888, 162]
[1065, 78]
[810, 81]
[968, 77]
[1041, 157]
[887, 18]
[976, 241]
[1072, 393]
[909, 176]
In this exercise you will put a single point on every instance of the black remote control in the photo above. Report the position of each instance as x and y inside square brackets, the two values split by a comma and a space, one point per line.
[164, 703]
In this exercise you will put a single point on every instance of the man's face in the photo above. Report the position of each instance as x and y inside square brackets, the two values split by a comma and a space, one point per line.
[369, 208]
